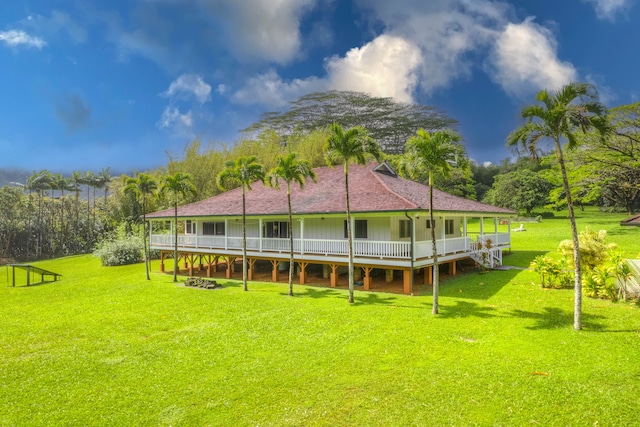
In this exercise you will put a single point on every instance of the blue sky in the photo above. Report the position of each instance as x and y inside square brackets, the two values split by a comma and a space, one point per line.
[90, 84]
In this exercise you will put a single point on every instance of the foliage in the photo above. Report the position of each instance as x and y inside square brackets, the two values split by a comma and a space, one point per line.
[123, 251]
[594, 250]
[519, 190]
[554, 273]
[389, 122]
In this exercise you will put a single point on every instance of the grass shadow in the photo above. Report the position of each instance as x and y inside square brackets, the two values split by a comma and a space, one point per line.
[318, 293]
[556, 318]
[374, 298]
[476, 285]
[520, 258]
[466, 309]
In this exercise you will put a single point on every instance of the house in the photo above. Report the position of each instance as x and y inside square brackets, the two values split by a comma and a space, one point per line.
[390, 223]
[631, 221]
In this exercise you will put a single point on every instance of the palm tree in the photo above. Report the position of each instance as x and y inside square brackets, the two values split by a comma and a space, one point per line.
[289, 169]
[180, 184]
[103, 180]
[557, 117]
[432, 153]
[243, 172]
[350, 146]
[142, 186]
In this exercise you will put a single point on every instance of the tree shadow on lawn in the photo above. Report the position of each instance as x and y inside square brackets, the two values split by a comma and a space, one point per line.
[520, 259]
[466, 309]
[556, 318]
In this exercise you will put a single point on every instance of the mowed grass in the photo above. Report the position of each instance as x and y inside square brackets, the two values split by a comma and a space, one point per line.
[103, 346]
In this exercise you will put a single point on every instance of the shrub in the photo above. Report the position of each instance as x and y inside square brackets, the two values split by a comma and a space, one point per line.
[553, 273]
[122, 251]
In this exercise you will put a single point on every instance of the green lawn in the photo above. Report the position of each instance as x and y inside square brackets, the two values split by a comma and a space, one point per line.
[103, 346]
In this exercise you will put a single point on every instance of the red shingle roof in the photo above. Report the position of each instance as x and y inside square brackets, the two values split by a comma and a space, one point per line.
[634, 220]
[369, 191]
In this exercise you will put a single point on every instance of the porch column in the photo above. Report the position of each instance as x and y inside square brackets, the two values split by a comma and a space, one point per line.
[428, 275]
[452, 268]
[406, 282]
[226, 234]
[215, 263]
[443, 235]
[303, 271]
[260, 232]
[301, 236]
[388, 275]
[464, 226]
[481, 225]
[334, 275]
[230, 261]
[161, 261]
[200, 265]
[275, 274]
[250, 268]
[367, 278]
[325, 271]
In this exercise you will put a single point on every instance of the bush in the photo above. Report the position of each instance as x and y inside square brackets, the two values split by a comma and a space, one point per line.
[553, 273]
[123, 251]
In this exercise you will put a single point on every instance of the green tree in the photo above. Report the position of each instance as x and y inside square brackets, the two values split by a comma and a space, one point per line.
[179, 185]
[291, 170]
[557, 117]
[389, 122]
[522, 189]
[142, 185]
[432, 153]
[243, 172]
[350, 146]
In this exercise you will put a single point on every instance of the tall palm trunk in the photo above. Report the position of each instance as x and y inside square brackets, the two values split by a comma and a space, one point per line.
[577, 311]
[244, 240]
[349, 232]
[144, 228]
[291, 264]
[436, 266]
[175, 241]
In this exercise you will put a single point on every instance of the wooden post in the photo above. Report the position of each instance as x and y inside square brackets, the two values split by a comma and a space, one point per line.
[229, 270]
[388, 276]
[325, 271]
[161, 261]
[367, 278]
[452, 268]
[406, 281]
[250, 268]
[303, 271]
[428, 275]
[275, 274]
[215, 263]
[334, 275]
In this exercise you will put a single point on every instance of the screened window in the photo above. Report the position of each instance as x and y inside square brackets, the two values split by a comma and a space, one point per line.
[213, 228]
[448, 226]
[429, 224]
[405, 228]
[276, 229]
[190, 227]
[360, 231]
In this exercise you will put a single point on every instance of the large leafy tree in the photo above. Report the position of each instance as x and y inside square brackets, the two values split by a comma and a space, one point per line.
[388, 121]
[521, 189]
[242, 172]
[291, 170]
[557, 117]
[353, 145]
[142, 186]
[432, 153]
[179, 185]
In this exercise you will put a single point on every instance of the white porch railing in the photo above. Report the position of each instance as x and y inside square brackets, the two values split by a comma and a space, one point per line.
[361, 248]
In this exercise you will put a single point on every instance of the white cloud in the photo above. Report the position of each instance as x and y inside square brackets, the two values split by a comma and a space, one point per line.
[270, 90]
[607, 9]
[260, 30]
[56, 23]
[173, 118]
[385, 67]
[16, 38]
[189, 85]
[524, 59]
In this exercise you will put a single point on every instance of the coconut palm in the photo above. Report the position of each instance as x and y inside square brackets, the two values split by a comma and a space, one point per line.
[142, 186]
[432, 153]
[103, 179]
[179, 184]
[243, 172]
[289, 169]
[349, 146]
[557, 117]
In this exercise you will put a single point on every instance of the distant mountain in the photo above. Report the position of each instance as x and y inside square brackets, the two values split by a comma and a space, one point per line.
[13, 175]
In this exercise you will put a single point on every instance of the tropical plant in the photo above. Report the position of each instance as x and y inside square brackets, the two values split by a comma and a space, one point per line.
[557, 117]
[142, 185]
[432, 153]
[289, 169]
[243, 172]
[179, 185]
[350, 146]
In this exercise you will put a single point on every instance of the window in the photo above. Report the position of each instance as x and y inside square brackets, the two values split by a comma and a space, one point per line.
[190, 227]
[213, 228]
[405, 228]
[448, 226]
[278, 229]
[361, 229]
[429, 223]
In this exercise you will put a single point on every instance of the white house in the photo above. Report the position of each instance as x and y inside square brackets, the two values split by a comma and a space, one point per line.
[389, 217]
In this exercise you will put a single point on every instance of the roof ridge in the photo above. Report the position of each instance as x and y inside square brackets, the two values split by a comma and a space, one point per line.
[377, 177]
